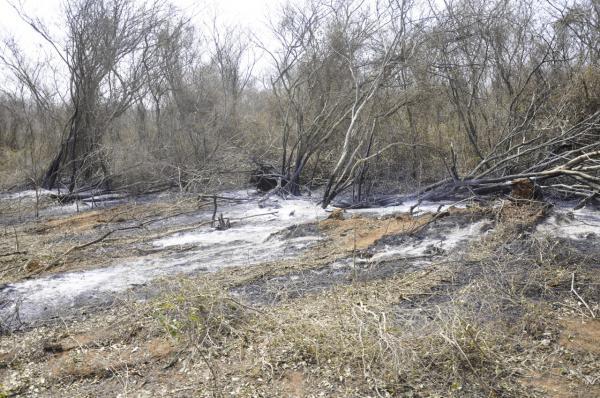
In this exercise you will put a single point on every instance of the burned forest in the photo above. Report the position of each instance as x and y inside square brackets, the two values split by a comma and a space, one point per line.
[300, 198]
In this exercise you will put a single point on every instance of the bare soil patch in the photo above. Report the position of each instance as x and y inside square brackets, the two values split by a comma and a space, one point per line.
[581, 335]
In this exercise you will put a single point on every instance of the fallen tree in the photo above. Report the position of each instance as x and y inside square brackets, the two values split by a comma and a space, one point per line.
[565, 165]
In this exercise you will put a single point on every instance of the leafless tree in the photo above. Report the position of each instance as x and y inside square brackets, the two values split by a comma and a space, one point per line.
[332, 61]
[108, 47]
[389, 52]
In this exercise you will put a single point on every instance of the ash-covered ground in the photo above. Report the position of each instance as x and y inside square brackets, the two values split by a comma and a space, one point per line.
[287, 259]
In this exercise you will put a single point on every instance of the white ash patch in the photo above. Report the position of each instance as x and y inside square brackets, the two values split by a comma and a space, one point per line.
[573, 224]
[250, 223]
[432, 245]
[28, 194]
[423, 207]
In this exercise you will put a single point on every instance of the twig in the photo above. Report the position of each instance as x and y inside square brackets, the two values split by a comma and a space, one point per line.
[586, 200]
[579, 297]
[214, 216]
[181, 213]
[245, 306]
[413, 207]
[230, 198]
[16, 239]
[183, 229]
[13, 253]
[100, 239]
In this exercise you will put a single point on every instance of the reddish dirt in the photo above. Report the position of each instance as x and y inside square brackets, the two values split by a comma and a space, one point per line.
[88, 220]
[581, 336]
[84, 362]
[581, 340]
[293, 384]
[556, 385]
[361, 232]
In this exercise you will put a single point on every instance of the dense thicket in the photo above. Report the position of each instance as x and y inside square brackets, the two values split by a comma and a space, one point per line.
[358, 97]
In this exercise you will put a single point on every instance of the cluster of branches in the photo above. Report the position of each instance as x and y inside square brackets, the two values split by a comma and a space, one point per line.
[365, 81]
[568, 163]
[335, 63]
[360, 96]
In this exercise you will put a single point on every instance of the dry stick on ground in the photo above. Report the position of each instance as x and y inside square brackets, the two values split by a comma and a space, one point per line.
[230, 198]
[245, 305]
[210, 222]
[140, 225]
[579, 297]
[181, 213]
[12, 254]
[100, 239]
[177, 230]
[255, 215]
[438, 214]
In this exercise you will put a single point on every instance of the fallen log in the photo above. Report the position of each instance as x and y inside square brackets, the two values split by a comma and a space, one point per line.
[87, 196]
[527, 163]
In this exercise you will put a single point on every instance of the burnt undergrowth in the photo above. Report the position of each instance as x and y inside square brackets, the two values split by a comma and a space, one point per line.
[478, 323]
[488, 318]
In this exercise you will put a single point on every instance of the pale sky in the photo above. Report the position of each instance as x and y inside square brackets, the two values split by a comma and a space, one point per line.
[251, 14]
[247, 13]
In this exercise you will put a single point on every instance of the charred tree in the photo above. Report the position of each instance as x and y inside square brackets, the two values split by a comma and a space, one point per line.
[108, 50]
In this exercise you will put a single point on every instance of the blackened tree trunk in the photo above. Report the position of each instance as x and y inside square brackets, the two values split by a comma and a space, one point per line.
[111, 48]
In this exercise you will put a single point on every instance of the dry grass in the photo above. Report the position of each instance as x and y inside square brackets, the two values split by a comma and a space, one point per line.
[350, 341]
[32, 246]
[12, 167]
[477, 327]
